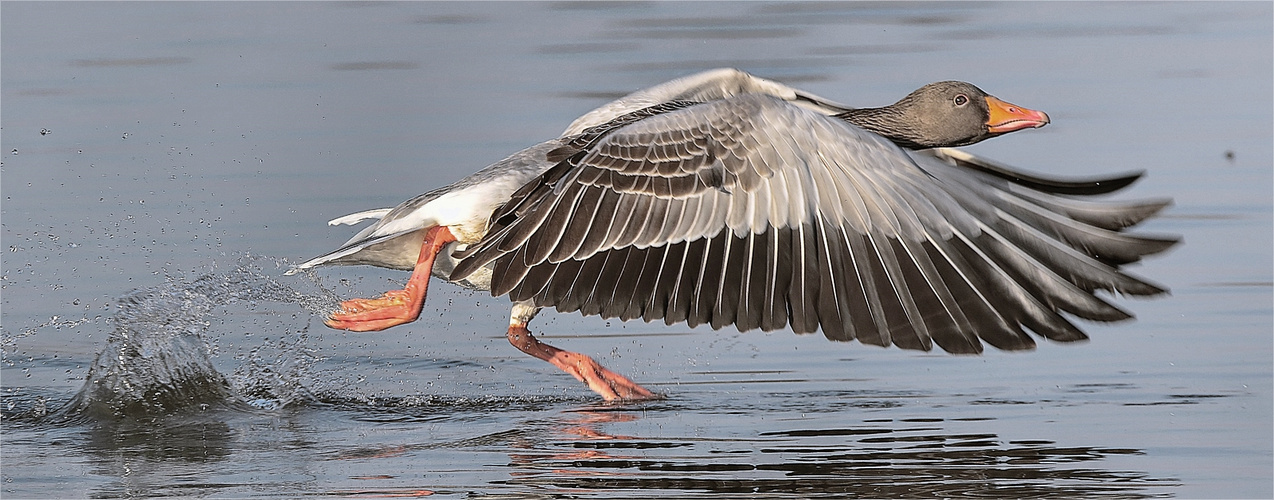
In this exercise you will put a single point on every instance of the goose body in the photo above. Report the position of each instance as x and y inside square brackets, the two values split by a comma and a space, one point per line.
[726, 199]
[469, 202]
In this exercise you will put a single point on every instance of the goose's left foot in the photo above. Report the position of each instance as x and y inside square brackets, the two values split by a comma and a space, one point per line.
[395, 307]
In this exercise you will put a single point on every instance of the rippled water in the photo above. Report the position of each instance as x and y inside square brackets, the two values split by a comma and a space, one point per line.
[165, 162]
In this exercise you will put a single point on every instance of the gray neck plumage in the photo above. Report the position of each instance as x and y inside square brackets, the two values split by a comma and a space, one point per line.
[888, 122]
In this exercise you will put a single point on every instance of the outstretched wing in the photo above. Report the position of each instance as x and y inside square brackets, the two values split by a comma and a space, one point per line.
[710, 85]
[753, 212]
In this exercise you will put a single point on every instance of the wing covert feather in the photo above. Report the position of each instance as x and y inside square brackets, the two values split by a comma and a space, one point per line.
[757, 213]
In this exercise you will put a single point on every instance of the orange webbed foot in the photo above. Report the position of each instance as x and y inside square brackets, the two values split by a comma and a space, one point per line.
[391, 298]
[366, 315]
[394, 307]
[609, 385]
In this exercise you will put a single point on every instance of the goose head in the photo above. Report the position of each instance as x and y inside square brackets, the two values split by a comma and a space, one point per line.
[945, 114]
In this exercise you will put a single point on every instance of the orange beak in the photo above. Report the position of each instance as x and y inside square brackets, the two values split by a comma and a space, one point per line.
[1006, 117]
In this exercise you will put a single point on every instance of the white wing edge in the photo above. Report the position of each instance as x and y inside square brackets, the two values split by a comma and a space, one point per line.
[344, 251]
[351, 219]
[710, 85]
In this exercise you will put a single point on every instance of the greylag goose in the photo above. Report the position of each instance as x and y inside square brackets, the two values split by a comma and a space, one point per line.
[726, 199]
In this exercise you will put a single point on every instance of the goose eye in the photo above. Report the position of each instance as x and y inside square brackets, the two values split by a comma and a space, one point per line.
[961, 100]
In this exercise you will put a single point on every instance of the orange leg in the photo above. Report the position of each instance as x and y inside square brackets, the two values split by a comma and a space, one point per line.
[610, 385]
[395, 307]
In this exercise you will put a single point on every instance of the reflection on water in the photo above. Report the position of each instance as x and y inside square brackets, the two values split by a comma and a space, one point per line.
[595, 451]
[197, 439]
[574, 453]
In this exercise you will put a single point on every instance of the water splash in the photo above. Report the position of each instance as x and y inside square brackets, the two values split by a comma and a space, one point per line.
[157, 357]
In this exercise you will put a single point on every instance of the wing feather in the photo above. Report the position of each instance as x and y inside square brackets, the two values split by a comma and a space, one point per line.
[803, 294]
[758, 213]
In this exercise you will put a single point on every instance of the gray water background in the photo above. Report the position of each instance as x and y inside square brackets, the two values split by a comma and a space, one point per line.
[164, 162]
